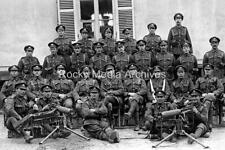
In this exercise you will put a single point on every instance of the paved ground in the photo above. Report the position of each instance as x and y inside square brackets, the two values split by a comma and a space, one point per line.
[216, 142]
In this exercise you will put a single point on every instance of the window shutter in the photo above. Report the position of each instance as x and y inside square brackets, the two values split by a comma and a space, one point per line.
[125, 16]
[66, 17]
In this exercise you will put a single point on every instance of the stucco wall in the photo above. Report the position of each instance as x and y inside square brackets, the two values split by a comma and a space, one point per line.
[26, 22]
[203, 18]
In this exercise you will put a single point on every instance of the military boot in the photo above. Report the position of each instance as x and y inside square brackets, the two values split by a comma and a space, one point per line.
[109, 106]
[113, 136]
[26, 136]
[197, 134]
[137, 121]
[133, 106]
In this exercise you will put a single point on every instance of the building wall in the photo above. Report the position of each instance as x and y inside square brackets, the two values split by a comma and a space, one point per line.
[26, 22]
[203, 18]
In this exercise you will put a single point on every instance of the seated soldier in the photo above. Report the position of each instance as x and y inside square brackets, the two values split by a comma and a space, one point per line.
[16, 107]
[49, 101]
[94, 111]
[152, 122]
[135, 88]
[198, 117]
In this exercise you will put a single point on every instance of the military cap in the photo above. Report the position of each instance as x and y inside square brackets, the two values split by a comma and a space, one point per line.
[160, 93]
[108, 29]
[195, 92]
[178, 14]
[94, 89]
[52, 44]
[126, 30]
[163, 41]
[84, 30]
[186, 43]
[132, 67]
[60, 66]
[157, 68]
[152, 25]
[46, 88]
[214, 38]
[21, 84]
[13, 68]
[77, 44]
[85, 67]
[28, 46]
[140, 42]
[98, 44]
[208, 66]
[180, 66]
[36, 67]
[60, 26]
[120, 43]
[109, 65]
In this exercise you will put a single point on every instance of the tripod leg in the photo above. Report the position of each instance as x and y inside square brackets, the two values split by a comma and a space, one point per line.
[188, 135]
[49, 135]
[154, 146]
[84, 137]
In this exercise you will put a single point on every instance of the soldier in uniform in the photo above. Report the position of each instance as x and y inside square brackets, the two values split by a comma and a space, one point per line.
[25, 63]
[158, 82]
[8, 88]
[86, 44]
[51, 61]
[16, 107]
[165, 60]
[63, 86]
[99, 60]
[197, 118]
[216, 57]
[65, 48]
[121, 59]
[94, 112]
[36, 82]
[135, 89]
[109, 43]
[177, 35]
[181, 86]
[145, 60]
[189, 61]
[211, 88]
[111, 89]
[152, 123]
[129, 42]
[152, 40]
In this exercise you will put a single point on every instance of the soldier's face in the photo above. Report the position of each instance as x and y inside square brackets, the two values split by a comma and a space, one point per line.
[178, 20]
[186, 49]
[151, 30]
[157, 74]
[110, 72]
[214, 44]
[127, 34]
[163, 47]
[21, 91]
[53, 50]
[121, 48]
[141, 47]
[99, 50]
[180, 73]
[77, 50]
[37, 73]
[208, 71]
[94, 95]
[108, 34]
[84, 35]
[29, 52]
[14, 73]
[86, 73]
[61, 32]
[133, 72]
[47, 94]
[61, 72]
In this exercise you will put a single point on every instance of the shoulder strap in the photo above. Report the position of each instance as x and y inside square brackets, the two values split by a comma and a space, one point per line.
[164, 85]
[152, 88]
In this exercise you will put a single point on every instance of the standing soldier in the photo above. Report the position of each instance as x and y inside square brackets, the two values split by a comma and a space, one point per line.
[181, 86]
[65, 48]
[99, 60]
[177, 35]
[27, 62]
[51, 61]
[211, 88]
[189, 61]
[8, 87]
[109, 42]
[16, 107]
[216, 57]
[152, 40]
[95, 124]
[166, 60]
[135, 89]
[129, 42]
[145, 60]
[111, 89]
[86, 44]
[121, 59]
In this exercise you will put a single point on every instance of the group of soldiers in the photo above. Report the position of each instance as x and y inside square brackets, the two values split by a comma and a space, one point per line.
[133, 76]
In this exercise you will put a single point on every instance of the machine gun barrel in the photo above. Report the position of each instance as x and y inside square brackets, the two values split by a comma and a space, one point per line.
[171, 113]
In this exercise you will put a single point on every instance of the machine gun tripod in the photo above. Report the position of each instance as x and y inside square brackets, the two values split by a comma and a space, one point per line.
[178, 129]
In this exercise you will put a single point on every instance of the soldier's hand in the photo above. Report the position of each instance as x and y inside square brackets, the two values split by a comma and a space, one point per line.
[79, 101]
[132, 94]
[62, 96]
[35, 107]
[194, 109]
[92, 110]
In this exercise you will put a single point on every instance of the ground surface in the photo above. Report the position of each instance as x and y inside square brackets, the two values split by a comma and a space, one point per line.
[216, 142]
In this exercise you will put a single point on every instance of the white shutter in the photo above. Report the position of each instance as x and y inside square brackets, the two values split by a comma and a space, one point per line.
[125, 16]
[66, 17]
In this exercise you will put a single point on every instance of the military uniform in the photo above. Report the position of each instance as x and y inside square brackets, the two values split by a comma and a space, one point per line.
[138, 88]
[152, 40]
[95, 125]
[16, 107]
[129, 42]
[215, 57]
[25, 63]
